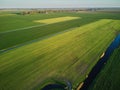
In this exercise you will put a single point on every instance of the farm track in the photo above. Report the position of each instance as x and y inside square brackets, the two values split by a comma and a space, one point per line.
[23, 28]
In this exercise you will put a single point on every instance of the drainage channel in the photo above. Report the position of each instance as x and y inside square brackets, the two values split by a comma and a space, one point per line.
[97, 68]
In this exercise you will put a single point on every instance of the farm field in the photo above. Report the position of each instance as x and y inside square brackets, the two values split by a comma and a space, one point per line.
[109, 79]
[10, 37]
[56, 49]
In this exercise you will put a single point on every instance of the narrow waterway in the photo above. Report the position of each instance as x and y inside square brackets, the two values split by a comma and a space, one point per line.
[67, 86]
[54, 86]
[97, 68]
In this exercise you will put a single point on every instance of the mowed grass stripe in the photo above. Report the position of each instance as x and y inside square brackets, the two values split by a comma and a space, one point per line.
[56, 20]
[2, 15]
[49, 58]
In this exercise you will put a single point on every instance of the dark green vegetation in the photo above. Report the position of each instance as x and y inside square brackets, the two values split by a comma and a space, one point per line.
[68, 50]
[109, 77]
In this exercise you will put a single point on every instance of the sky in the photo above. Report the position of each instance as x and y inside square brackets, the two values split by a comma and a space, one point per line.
[58, 3]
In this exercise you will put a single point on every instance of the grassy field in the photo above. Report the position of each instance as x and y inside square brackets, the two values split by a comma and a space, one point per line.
[109, 77]
[11, 37]
[64, 50]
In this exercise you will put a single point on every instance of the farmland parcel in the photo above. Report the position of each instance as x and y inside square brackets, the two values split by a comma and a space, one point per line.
[65, 50]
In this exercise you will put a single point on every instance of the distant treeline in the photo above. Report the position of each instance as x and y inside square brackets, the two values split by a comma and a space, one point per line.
[48, 11]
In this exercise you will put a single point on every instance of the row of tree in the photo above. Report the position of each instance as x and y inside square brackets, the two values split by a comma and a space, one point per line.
[50, 11]
[43, 11]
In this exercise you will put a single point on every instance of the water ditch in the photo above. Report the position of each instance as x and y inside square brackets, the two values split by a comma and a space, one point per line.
[54, 86]
[67, 86]
[97, 68]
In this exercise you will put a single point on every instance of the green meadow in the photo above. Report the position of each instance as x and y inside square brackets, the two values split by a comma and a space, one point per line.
[39, 49]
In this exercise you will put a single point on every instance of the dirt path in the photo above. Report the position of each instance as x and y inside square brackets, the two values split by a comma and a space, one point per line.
[23, 28]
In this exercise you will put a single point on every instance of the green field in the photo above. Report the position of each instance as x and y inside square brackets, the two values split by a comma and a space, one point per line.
[56, 51]
[109, 77]
[23, 28]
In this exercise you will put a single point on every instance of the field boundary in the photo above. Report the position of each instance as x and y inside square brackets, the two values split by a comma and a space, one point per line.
[23, 28]
[32, 41]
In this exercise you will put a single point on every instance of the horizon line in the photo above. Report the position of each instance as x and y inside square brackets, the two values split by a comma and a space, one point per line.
[56, 7]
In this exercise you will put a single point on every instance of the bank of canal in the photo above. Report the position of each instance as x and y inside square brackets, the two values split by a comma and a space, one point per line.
[97, 68]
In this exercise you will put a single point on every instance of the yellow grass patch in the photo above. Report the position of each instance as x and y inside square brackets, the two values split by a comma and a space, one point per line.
[56, 20]
[6, 14]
